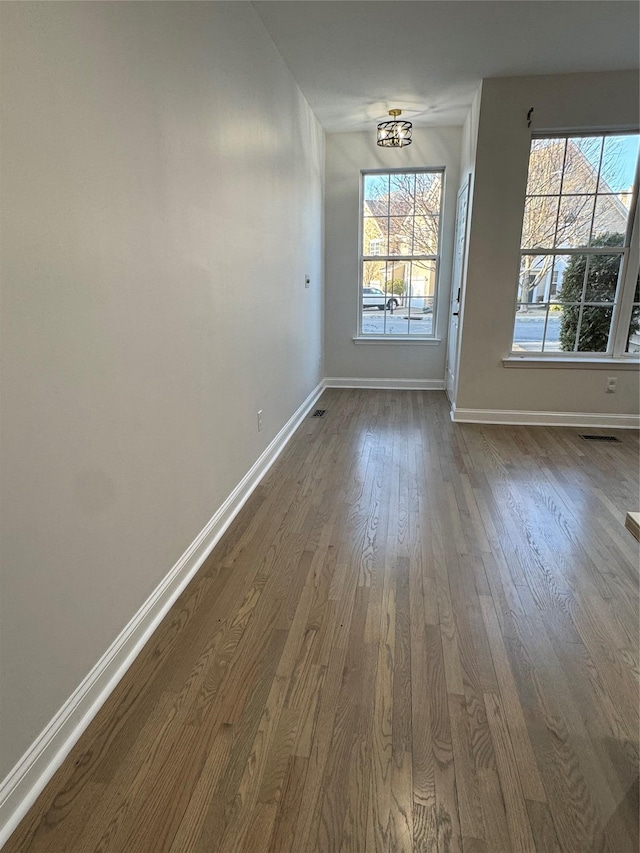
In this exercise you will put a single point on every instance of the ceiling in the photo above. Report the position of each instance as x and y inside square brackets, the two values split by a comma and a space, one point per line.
[356, 59]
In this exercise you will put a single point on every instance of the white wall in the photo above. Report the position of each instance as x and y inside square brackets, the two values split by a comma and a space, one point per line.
[561, 102]
[467, 173]
[346, 155]
[470, 136]
[161, 203]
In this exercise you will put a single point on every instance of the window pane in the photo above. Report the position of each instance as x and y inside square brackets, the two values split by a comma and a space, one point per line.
[397, 278]
[376, 195]
[421, 315]
[618, 163]
[574, 221]
[428, 193]
[402, 196]
[594, 329]
[400, 235]
[610, 221]
[552, 332]
[539, 225]
[561, 328]
[545, 166]
[560, 264]
[422, 281]
[625, 200]
[581, 165]
[373, 274]
[418, 298]
[426, 235]
[573, 277]
[602, 278]
[529, 327]
[535, 278]
[374, 235]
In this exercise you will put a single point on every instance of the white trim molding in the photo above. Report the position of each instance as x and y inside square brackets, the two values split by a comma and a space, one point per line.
[387, 339]
[568, 363]
[568, 419]
[28, 778]
[388, 384]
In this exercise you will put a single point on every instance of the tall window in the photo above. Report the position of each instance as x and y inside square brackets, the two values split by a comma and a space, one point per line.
[399, 256]
[573, 289]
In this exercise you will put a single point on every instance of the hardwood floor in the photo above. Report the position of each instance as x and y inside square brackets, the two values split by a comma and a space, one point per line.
[416, 636]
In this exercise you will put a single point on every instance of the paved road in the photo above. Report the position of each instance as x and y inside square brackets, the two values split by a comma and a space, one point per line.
[529, 332]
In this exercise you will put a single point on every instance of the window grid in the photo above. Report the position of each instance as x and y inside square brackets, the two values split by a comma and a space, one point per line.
[407, 206]
[572, 234]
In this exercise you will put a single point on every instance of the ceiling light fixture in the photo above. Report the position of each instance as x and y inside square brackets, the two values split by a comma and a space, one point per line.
[394, 134]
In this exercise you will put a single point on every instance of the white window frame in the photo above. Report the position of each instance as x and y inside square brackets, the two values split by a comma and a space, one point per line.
[627, 278]
[406, 337]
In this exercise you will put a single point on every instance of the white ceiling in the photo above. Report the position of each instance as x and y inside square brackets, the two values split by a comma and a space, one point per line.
[356, 59]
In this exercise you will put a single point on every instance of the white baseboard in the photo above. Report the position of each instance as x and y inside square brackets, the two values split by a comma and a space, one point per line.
[382, 384]
[28, 778]
[569, 419]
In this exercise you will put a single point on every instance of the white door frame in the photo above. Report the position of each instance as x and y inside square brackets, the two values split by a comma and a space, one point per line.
[457, 282]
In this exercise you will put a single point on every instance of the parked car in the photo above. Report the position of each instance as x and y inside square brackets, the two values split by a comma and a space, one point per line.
[373, 297]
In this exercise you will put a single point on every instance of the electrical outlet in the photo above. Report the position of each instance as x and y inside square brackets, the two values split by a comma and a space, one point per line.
[307, 281]
[260, 420]
[611, 385]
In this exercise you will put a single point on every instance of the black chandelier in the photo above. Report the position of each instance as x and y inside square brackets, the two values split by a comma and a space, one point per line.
[394, 134]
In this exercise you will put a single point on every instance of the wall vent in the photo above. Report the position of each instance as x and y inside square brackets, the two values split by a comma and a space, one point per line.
[599, 438]
[319, 413]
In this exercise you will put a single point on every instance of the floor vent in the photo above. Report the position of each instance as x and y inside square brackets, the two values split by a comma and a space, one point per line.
[319, 413]
[599, 438]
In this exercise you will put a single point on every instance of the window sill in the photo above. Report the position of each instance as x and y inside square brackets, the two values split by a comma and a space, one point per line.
[603, 363]
[388, 339]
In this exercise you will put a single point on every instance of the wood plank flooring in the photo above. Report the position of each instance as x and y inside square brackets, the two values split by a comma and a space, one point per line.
[416, 636]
